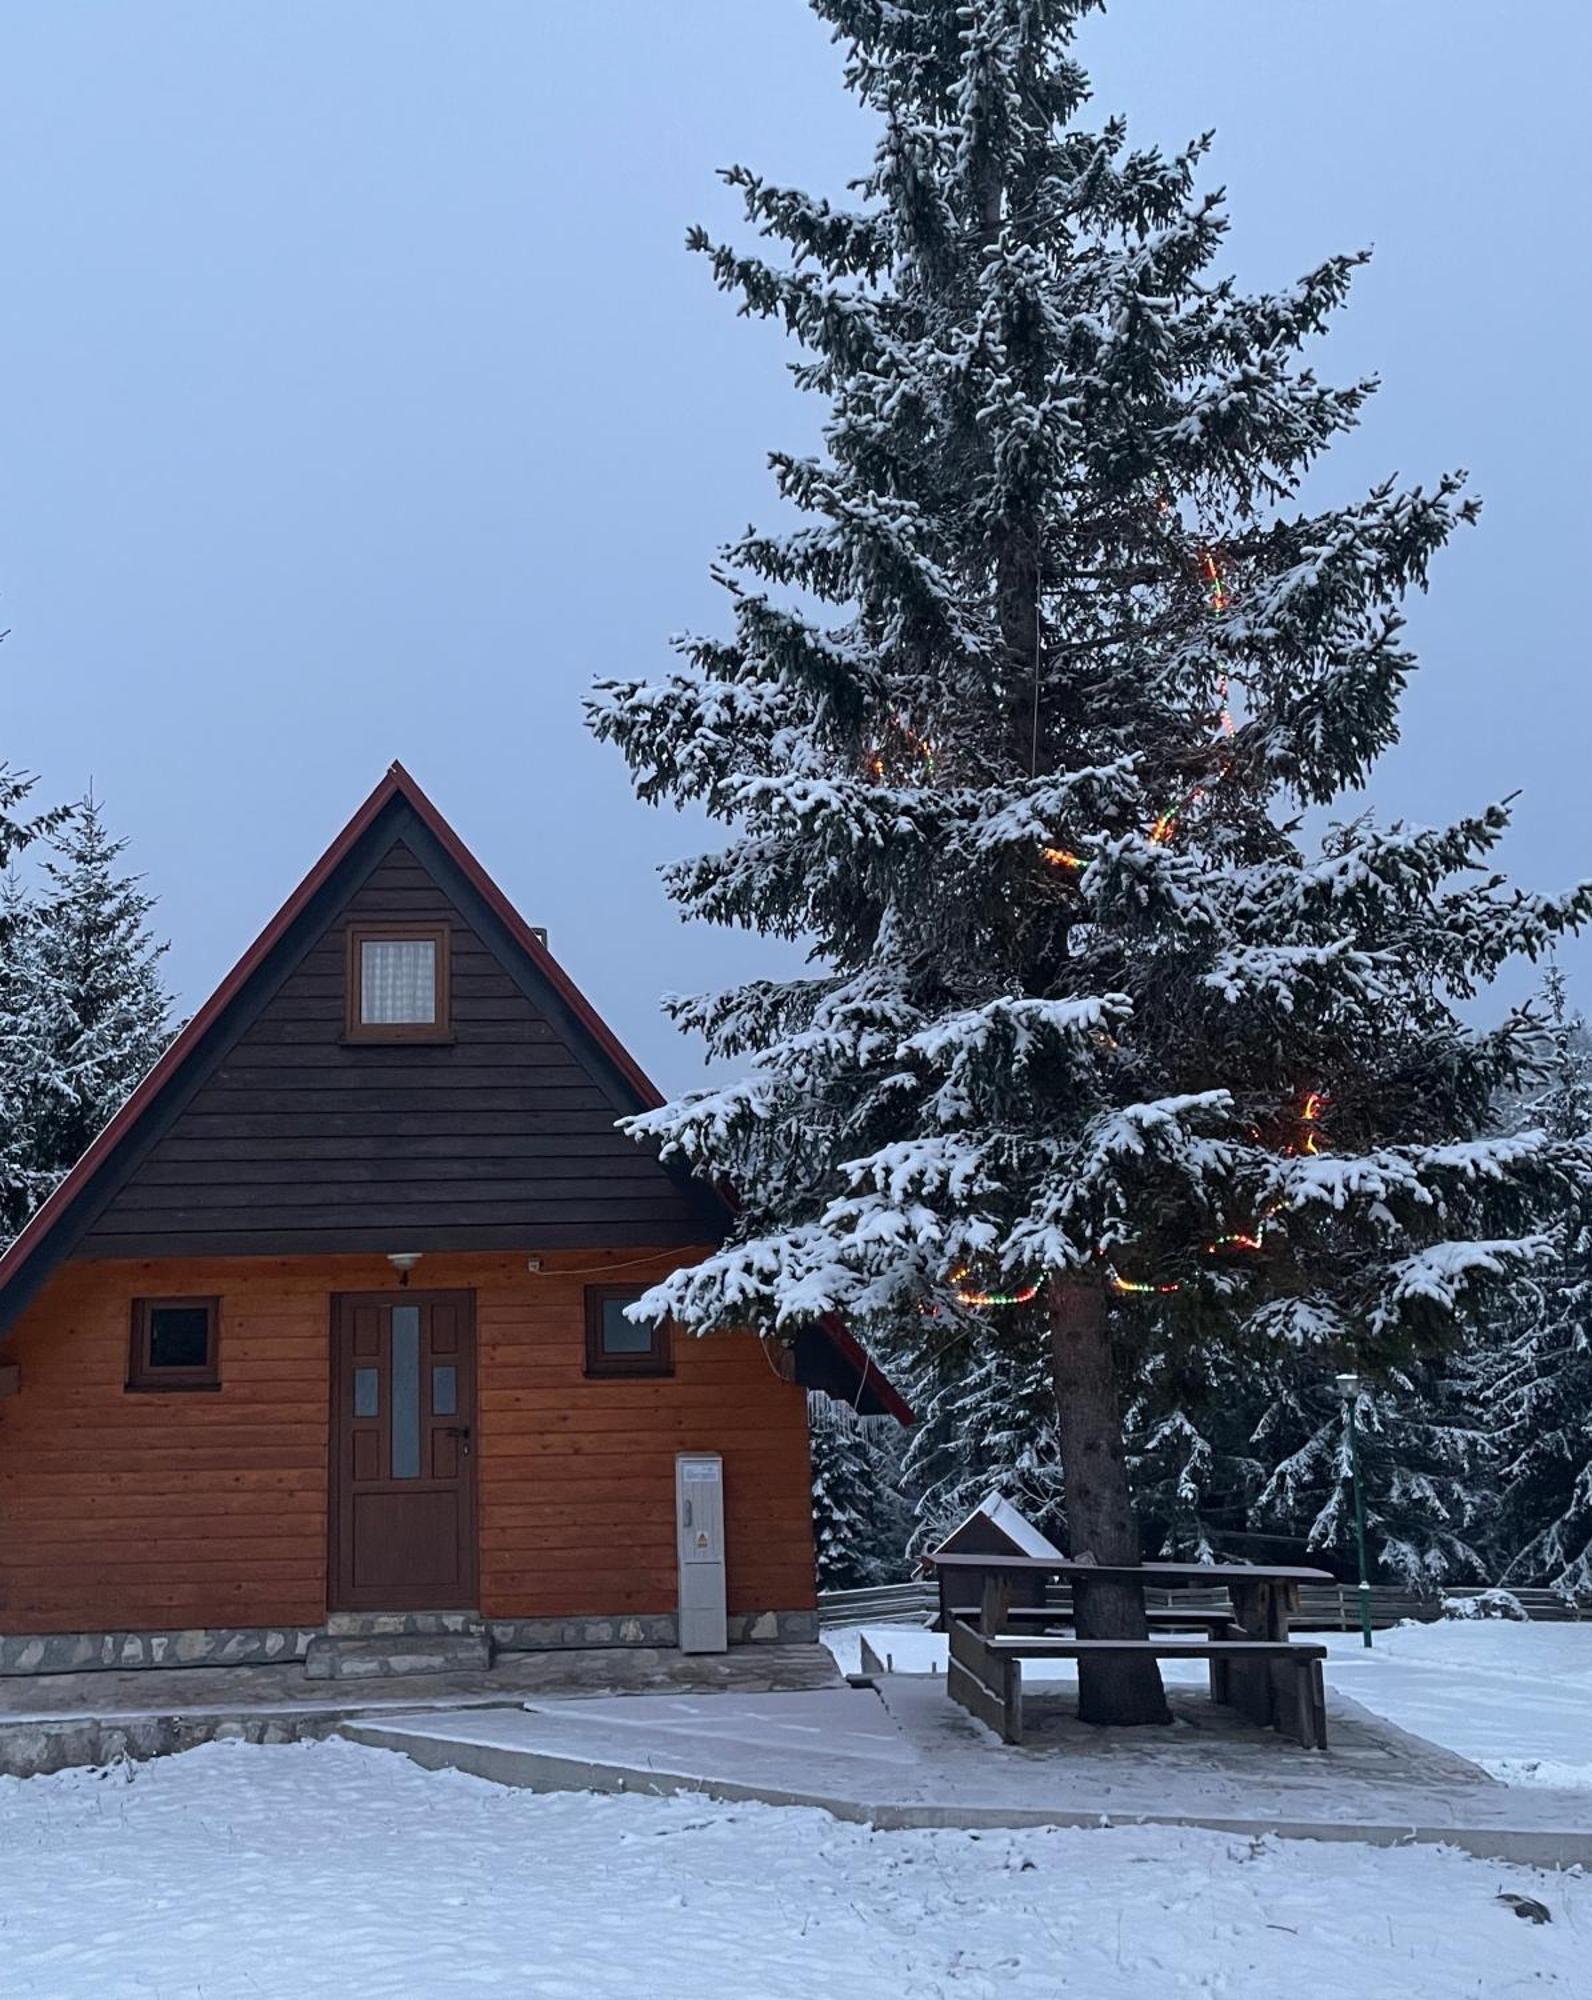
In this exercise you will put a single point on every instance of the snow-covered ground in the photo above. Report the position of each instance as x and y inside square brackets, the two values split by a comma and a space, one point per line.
[1516, 1699]
[326, 1868]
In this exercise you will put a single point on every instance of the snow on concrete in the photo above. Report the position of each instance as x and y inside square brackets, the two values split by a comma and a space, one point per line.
[324, 1868]
[1514, 1698]
[907, 1756]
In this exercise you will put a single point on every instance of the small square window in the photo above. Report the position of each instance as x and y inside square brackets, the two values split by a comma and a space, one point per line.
[175, 1343]
[398, 983]
[616, 1345]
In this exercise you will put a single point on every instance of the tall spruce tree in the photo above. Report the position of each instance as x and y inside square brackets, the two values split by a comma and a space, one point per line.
[986, 1421]
[1191, 1459]
[109, 1015]
[1016, 729]
[28, 1012]
[32, 1087]
[1541, 1391]
[842, 1497]
[1426, 1470]
[860, 1515]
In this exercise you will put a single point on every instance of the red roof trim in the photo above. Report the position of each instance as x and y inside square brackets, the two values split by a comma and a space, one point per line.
[396, 784]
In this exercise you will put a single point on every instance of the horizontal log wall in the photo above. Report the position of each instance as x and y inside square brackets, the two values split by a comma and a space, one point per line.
[136, 1511]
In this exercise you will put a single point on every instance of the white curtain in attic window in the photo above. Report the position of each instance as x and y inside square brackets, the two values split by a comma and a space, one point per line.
[397, 981]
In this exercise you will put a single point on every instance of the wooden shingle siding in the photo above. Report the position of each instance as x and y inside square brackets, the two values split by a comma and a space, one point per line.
[132, 1511]
[300, 1140]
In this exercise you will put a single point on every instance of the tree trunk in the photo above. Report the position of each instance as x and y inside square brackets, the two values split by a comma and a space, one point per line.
[1101, 1521]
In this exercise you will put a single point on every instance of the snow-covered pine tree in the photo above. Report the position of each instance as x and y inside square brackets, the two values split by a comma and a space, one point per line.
[1541, 1392]
[1426, 1470]
[860, 1517]
[1081, 988]
[842, 1491]
[1189, 1420]
[32, 1025]
[101, 965]
[27, 1012]
[16, 788]
[986, 1410]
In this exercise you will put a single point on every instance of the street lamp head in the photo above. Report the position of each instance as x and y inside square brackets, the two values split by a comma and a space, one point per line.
[1348, 1386]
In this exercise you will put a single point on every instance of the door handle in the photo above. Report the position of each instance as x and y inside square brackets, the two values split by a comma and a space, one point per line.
[460, 1431]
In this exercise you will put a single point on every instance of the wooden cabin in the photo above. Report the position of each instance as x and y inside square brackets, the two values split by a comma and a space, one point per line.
[326, 1330]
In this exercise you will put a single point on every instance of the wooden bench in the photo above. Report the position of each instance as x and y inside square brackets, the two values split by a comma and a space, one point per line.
[1272, 1681]
[1214, 1624]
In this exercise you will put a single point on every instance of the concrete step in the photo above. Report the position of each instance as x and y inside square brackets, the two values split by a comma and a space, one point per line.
[332, 1658]
[403, 1624]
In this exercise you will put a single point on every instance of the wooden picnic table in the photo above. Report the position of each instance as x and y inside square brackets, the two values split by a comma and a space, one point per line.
[1262, 1595]
[990, 1588]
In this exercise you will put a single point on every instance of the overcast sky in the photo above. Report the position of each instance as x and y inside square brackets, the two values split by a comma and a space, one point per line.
[358, 400]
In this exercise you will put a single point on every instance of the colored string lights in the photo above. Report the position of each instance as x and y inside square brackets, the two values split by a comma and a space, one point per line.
[1216, 584]
[1243, 1242]
[977, 1299]
[1164, 828]
[1135, 1288]
[1310, 1121]
[1252, 1242]
[920, 747]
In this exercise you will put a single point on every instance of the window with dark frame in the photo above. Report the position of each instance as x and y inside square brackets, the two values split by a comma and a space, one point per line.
[616, 1345]
[398, 983]
[175, 1344]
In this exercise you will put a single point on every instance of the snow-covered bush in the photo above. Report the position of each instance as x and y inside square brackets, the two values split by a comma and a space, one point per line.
[1486, 1604]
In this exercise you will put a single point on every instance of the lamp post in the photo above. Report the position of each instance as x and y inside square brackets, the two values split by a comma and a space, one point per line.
[1349, 1391]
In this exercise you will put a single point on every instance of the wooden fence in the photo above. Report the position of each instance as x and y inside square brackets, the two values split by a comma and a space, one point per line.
[1322, 1607]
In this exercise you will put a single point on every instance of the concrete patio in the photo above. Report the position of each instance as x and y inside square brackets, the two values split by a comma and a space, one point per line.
[899, 1754]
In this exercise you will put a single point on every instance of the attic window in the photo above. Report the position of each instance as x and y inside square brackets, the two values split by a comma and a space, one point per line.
[398, 983]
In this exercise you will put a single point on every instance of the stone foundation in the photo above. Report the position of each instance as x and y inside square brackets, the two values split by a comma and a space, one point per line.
[790, 1628]
[260, 1646]
[117, 1652]
[661, 1629]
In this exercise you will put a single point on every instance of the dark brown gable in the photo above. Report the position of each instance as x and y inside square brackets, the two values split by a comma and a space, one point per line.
[298, 1140]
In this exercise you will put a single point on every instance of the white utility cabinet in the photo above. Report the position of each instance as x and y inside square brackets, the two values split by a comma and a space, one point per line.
[699, 1524]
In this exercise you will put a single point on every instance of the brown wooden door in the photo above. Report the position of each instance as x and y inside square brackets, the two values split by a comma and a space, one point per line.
[403, 1452]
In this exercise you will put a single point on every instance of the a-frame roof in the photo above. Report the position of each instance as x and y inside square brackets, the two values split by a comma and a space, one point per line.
[79, 1216]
